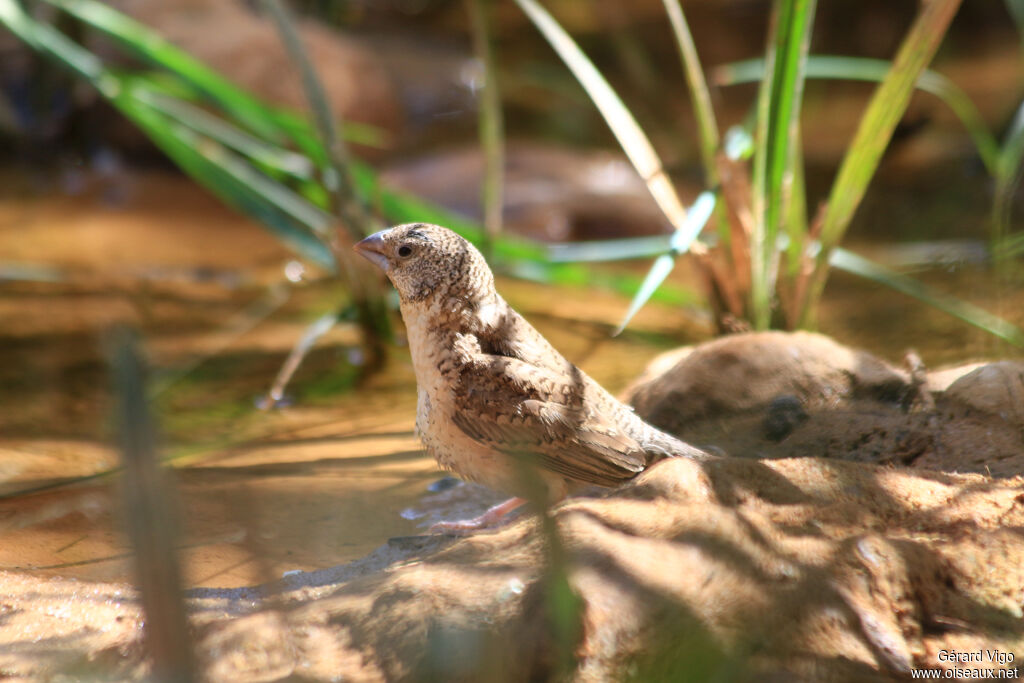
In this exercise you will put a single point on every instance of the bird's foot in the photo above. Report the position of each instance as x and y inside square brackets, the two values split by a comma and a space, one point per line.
[484, 521]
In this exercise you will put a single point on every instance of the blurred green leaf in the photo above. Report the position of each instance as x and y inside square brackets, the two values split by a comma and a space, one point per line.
[877, 125]
[269, 123]
[291, 218]
[846, 260]
[707, 127]
[681, 241]
[270, 156]
[875, 70]
[778, 122]
[1016, 10]
[226, 174]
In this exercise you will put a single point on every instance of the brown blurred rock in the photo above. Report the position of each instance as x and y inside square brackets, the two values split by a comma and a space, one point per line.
[778, 394]
[801, 569]
[994, 388]
[247, 50]
[552, 193]
[745, 372]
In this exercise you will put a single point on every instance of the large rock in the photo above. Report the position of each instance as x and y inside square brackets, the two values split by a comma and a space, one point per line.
[779, 394]
[802, 569]
[551, 193]
[247, 49]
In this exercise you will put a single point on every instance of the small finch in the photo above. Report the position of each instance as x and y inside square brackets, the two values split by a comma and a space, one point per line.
[493, 394]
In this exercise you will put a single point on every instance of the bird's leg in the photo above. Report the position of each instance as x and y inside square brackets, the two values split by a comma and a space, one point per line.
[487, 519]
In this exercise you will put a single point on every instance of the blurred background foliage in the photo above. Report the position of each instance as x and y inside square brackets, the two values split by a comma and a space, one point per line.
[759, 182]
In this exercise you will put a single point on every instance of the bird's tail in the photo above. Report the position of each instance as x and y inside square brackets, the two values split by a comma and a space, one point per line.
[672, 447]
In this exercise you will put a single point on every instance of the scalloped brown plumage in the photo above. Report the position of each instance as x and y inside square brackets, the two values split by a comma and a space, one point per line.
[493, 393]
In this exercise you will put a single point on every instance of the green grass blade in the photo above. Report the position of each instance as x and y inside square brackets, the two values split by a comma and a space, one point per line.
[265, 121]
[681, 241]
[271, 156]
[700, 212]
[774, 156]
[294, 220]
[707, 127]
[795, 220]
[44, 38]
[149, 45]
[610, 250]
[858, 265]
[875, 70]
[348, 203]
[884, 111]
[622, 123]
[660, 270]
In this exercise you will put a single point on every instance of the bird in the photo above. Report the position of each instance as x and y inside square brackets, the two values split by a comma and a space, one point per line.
[497, 404]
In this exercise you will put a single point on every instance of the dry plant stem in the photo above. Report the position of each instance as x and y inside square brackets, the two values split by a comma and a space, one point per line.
[721, 290]
[620, 120]
[348, 206]
[806, 272]
[736, 195]
[295, 358]
[355, 220]
[702, 109]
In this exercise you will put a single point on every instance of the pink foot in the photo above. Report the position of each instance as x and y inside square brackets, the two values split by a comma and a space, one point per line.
[488, 519]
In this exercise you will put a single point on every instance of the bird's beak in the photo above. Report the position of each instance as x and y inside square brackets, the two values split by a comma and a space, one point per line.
[372, 249]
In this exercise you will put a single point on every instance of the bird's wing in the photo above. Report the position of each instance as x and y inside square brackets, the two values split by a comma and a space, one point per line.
[524, 410]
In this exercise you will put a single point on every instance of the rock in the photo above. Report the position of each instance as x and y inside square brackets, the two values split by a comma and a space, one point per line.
[799, 569]
[744, 372]
[552, 193]
[778, 394]
[995, 388]
[246, 48]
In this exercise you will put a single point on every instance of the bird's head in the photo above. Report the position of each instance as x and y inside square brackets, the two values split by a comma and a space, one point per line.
[423, 260]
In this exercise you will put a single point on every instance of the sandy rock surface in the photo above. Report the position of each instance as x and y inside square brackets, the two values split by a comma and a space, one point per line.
[782, 395]
[849, 567]
[805, 568]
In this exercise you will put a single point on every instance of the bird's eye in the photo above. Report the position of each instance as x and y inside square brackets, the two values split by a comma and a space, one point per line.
[404, 250]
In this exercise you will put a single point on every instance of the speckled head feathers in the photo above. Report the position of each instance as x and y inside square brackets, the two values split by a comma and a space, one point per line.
[424, 260]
